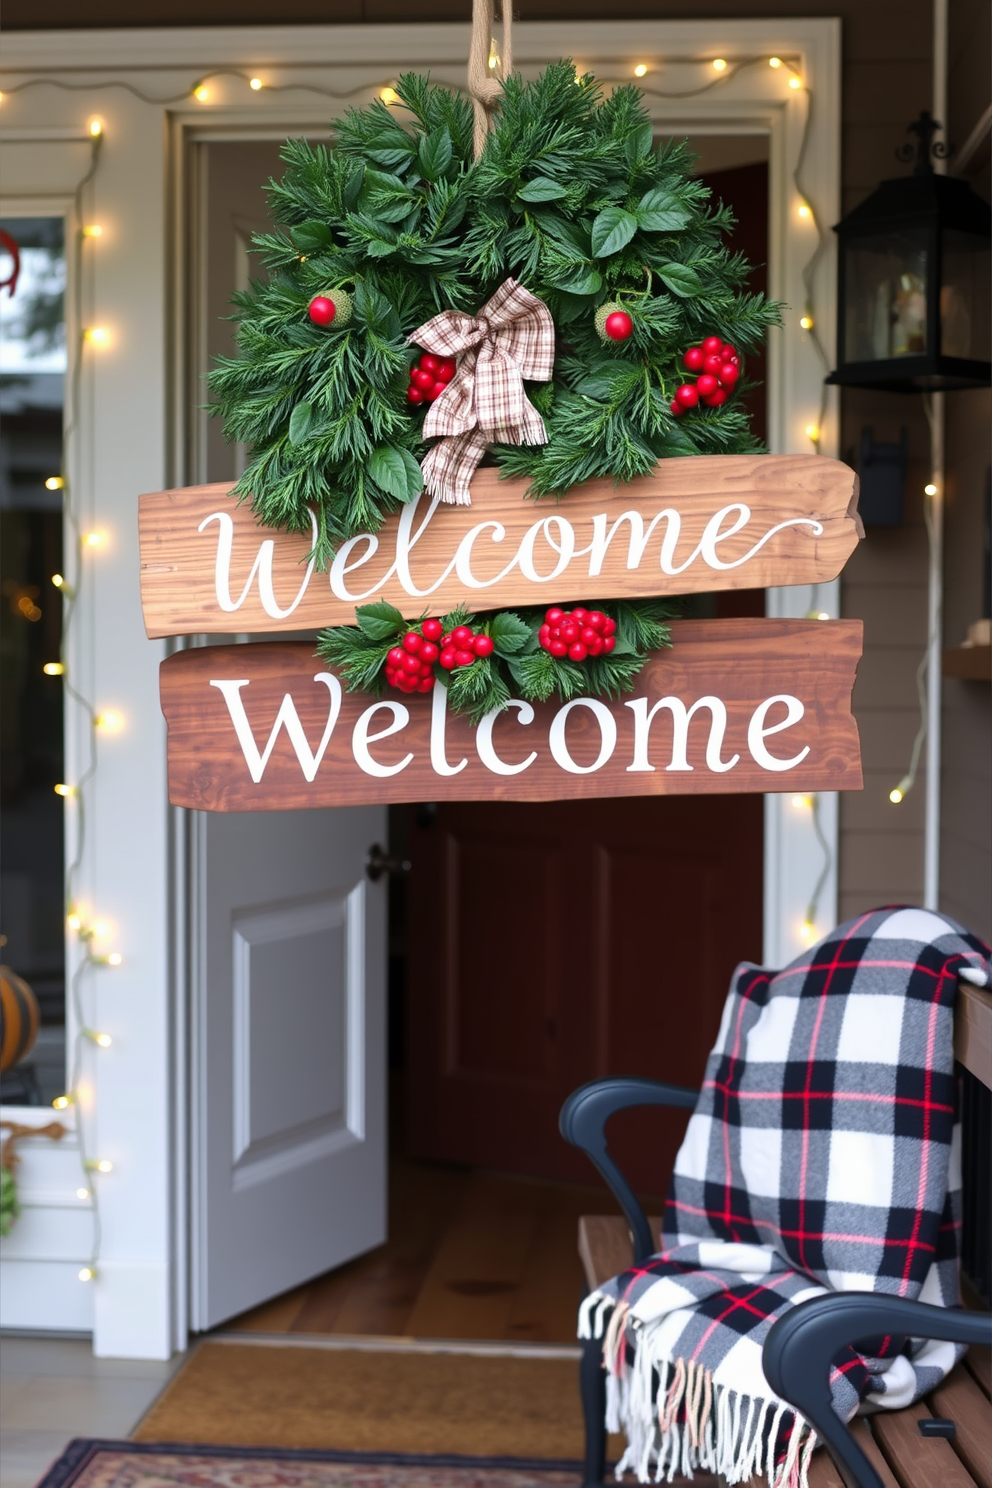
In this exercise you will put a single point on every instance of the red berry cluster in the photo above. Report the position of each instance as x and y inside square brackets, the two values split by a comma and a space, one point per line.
[718, 365]
[410, 665]
[429, 378]
[577, 633]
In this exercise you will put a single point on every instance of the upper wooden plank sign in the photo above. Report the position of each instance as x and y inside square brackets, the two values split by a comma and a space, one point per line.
[692, 525]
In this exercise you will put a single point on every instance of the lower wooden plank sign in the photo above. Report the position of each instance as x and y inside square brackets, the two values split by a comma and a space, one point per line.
[735, 705]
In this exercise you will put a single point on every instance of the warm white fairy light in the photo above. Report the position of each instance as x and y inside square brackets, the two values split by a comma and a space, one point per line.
[389, 95]
[641, 70]
[54, 483]
[87, 1273]
[255, 84]
[109, 722]
[201, 93]
[64, 790]
[53, 669]
[95, 128]
[795, 83]
[98, 1165]
[97, 336]
[93, 230]
[774, 61]
[102, 1040]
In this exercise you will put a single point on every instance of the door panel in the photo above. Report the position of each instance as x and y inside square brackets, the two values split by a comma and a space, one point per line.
[289, 1053]
[553, 943]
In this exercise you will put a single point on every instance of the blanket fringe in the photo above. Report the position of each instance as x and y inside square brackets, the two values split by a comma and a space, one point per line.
[677, 1419]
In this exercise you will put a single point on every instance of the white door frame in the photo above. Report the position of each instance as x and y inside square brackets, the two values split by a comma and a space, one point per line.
[131, 439]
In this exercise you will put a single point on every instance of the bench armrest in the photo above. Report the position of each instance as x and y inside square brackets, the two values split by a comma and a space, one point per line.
[799, 1349]
[583, 1123]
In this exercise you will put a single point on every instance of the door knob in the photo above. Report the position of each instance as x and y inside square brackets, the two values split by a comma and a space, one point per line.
[378, 862]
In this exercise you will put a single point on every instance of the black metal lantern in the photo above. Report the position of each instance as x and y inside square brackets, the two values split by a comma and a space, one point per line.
[914, 309]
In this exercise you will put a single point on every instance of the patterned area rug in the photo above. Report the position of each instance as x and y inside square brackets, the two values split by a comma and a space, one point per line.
[123, 1464]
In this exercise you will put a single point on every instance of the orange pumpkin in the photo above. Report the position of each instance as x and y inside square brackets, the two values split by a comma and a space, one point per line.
[19, 1018]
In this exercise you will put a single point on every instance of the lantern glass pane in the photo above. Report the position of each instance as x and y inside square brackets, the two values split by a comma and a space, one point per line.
[965, 329]
[886, 295]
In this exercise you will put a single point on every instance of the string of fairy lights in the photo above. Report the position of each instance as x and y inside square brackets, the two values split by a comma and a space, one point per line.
[89, 929]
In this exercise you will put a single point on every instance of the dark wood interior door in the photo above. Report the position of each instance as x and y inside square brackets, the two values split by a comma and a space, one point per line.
[550, 944]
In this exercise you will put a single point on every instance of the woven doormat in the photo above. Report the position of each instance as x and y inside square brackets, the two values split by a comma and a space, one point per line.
[349, 1399]
[121, 1464]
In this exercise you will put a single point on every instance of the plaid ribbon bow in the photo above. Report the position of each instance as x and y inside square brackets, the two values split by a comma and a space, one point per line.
[512, 337]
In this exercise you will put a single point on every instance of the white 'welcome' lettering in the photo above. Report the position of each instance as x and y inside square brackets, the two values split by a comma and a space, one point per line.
[287, 718]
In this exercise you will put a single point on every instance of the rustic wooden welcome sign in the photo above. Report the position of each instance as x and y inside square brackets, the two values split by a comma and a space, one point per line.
[735, 705]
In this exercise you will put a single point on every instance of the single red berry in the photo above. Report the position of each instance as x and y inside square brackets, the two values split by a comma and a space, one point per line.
[461, 637]
[411, 641]
[712, 344]
[714, 399]
[713, 363]
[432, 630]
[426, 670]
[483, 645]
[579, 614]
[595, 645]
[588, 635]
[554, 616]
[411, 663]
[447, 658]
[706, 384]
[414, 395]
[446, 642]
[407, 684]
[577, 652]
[727, 351]
[394, 658]
[544, 634]
[446, 369]
[596, 619]
[608, 643]
[436, 391]
[619, 326]
[676, 408]
[429, 363]
[558, 648]
[322, 310]
[429, 652]
[693, 359]
[426, 683]
[728, 375]
[421, 379]
[687, 396]
[569, 632]
[464, 658]
[609, 626]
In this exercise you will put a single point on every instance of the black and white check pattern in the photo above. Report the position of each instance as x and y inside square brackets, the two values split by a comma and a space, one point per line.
[822, 1155]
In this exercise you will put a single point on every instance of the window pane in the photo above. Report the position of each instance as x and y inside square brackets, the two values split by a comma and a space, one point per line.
[886, 294]
[32, 367]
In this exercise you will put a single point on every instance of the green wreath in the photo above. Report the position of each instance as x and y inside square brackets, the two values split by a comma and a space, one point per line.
[396, 222]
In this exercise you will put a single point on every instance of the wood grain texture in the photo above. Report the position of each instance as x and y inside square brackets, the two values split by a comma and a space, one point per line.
[605, 1246]
[519, 553]
[960, 1400]
[918, 1461]
[973, 1032]
[742, 663]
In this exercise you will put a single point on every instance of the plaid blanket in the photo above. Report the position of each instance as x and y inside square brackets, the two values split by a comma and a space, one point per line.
[822, 1154]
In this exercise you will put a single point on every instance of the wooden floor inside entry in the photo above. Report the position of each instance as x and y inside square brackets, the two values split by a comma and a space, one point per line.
[470, 1255]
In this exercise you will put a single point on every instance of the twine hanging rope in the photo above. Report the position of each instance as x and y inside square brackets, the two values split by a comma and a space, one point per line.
[485, 83]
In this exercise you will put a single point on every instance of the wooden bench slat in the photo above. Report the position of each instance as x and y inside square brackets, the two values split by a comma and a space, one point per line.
[962, 1401]
[973, 1031]
[866, 1441]
[823, 1472]
[605, 1246]
[918, 1461]
[979, 1362]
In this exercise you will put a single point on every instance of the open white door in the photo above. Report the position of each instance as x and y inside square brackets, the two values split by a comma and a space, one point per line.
[288, 1038]
[289, 1052]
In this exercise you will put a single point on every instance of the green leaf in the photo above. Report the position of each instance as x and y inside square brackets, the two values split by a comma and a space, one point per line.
[584, 280]
[640, 142]
[380, 621]
[540, 190]
[299, 422]
[510, 634]
[352, 188]
[612, 229]
[396, 471]
[680, 279]
[434, 154]
[660, 211]
[311, 237]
